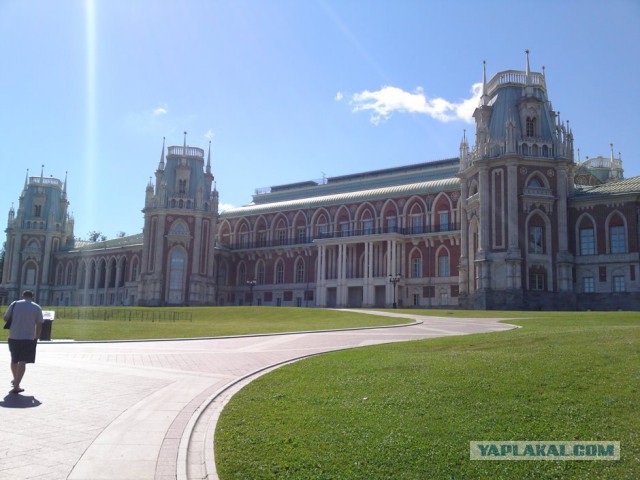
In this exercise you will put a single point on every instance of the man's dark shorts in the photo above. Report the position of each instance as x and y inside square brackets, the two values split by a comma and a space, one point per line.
[23, 350]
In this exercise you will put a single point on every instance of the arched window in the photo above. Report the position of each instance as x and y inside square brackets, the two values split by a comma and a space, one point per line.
[617, 235]
[243, 235]
[535, 183]
[443, 263]
[536, 240]
[92, 274]
[134, 270]
[416, 267]
[102, 274]
[417, 219]
[59, 274]
[281, 233]
[260, 273]
[587, 237]
[280, 272]
[322, 227]
[112, 273]
[300, 271]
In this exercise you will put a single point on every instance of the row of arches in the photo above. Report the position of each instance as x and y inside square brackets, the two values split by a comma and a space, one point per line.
[416, 215]
[97, 272]
[610, 238]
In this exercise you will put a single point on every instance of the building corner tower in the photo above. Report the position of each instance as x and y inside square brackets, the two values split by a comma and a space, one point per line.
[40, 228]
[515, 182]
[180, 218]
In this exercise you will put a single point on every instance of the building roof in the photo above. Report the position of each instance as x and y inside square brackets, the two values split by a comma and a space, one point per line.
[121, 242]
[619, 187]
[405, 189]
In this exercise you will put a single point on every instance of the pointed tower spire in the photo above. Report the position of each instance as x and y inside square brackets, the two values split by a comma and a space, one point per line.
[484, 100]
[209, 159]
[26, 180]
[611, 144]
[41, 174]
[185, 143]
[528, 70]
[484, 77]
[161, 163]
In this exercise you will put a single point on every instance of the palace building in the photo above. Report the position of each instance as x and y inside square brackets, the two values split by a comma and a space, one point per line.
[514, 222]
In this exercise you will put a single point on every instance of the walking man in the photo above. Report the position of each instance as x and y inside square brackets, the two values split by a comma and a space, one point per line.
[26, 325]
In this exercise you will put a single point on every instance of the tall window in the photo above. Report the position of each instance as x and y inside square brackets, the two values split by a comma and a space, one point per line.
[443, 264]
[282, 236]
[37, 211]
[416, 267]
[244, 239]
[177, 267]
[392, 224]
[260, 274]
[588, 285]
[182, 186]
[617, 239]
[587, 241]
[300, 272]
[537, 281]
[444, 221]
[262, 238]
[280, 273]
[416, 223]
[536, 239]
[618, 283]
[367, 226]
[344, 229]
[134, 270]
[302, 237]
[531, 127]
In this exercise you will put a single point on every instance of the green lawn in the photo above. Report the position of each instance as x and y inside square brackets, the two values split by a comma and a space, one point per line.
[409, 410]
[204, 322]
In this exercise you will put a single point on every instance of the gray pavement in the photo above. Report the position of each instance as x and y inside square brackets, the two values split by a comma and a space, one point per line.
[147, 410]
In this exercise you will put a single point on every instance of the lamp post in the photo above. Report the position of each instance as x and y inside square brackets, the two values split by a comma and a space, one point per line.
[394, 279]
[251, 284]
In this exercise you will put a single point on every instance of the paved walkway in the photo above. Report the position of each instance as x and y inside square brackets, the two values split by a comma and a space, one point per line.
[147, 410]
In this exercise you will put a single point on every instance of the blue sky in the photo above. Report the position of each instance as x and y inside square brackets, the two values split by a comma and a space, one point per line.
[288, 90]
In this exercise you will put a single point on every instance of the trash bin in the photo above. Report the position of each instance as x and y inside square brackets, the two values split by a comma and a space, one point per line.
[45, 334]
[49, 316]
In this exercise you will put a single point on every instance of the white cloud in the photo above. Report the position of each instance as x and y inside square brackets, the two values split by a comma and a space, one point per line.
[223, 207]
[160, 110]
[209, 134]
[339, 96]
[382, 103]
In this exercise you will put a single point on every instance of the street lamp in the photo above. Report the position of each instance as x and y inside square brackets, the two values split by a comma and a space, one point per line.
[394, 279]
[251, 284]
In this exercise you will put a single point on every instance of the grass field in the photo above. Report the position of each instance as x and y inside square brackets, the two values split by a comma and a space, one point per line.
[409, 410]
[204, 322]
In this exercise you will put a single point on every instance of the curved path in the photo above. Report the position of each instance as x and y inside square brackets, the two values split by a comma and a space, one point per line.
[147, 410]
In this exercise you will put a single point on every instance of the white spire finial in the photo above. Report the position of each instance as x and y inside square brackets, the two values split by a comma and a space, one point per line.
[185, 141]
[528, 69]
[611, 144]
